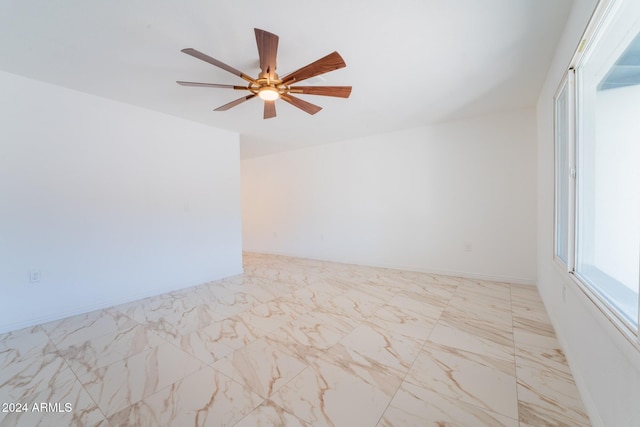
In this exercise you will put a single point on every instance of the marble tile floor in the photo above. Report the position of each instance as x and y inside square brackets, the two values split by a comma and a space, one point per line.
[297, 342]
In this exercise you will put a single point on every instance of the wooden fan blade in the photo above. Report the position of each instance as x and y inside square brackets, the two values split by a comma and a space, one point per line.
[219, 64]
[337, 91]
[181, 83]
[331, 62]
[269, 109]
[301, 104]
[232, 104]
[267, 50]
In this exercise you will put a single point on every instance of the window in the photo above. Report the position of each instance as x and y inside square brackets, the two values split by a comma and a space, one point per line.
[562, 174]
[597, 214]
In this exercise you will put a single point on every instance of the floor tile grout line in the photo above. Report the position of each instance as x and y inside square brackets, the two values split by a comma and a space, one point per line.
[414, 360]
[165, 341]
[515, 361]
[204, 365]
[403, 380]
[328, 349]
[472, 352]
[308, 366]
[76, 377]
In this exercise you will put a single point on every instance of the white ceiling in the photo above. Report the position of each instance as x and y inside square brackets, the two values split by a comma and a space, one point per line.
[410, 62]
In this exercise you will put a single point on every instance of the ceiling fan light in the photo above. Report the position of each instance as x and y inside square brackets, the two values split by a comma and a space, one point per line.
[268, 93]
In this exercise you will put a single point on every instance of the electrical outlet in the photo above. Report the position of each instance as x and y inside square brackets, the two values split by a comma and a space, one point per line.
[467, 247]
[564, 293]
[35, 275]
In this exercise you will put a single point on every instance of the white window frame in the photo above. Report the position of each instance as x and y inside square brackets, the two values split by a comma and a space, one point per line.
[608, 14]
[567, 85]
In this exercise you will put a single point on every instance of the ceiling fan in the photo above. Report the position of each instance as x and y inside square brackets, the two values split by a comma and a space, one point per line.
[269, 86]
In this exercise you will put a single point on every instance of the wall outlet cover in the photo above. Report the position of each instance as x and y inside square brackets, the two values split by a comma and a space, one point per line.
[35, 276]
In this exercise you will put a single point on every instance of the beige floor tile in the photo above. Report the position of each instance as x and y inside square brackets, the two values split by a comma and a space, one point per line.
[271, 415]
[326, 395]
[104, 350]
[483, 381]
[204, 398]
[78, 329]
[312, 330]
[21, 379]
[261, 367]
[301, 342]
[382, 346]
[403, 321]
[413, 406]
[22, 344]
[65, 405]
[234, 332]
[123, 383]
[549, 397]
[473, 338]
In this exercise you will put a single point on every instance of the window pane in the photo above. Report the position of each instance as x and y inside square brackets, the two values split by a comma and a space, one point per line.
[562, 175]
[608, 223]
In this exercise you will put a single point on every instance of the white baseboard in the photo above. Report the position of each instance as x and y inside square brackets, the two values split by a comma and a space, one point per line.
[99, 305]
[419, 269]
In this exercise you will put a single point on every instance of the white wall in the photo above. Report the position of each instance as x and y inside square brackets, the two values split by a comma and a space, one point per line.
[605, 365]
[111, 202]
[412, 199]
